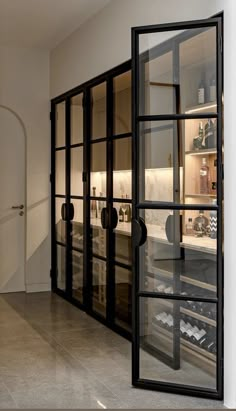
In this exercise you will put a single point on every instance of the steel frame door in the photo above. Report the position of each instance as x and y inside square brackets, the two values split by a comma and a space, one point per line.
[173, 36]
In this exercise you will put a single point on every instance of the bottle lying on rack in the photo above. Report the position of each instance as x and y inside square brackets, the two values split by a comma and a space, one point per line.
[203, 309]
[164, 320]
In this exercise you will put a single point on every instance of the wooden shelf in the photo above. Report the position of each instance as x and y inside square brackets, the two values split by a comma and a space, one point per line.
[188, 280]
[206, 107]
[201, 152]
[201, 195]
[191, 313]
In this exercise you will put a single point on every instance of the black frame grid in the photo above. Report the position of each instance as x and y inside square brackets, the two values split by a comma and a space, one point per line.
[138, 207]
[86, 305]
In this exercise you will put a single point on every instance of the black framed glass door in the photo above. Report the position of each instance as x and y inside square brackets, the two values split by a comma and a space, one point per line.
[91, 197]
[177, 201]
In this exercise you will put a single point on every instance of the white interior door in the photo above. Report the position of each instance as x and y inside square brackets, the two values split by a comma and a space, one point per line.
[12, 192]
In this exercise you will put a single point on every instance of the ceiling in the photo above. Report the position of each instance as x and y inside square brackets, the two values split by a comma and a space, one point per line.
[43, 23]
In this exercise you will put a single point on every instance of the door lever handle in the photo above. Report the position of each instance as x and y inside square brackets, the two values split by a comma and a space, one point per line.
[20, 207]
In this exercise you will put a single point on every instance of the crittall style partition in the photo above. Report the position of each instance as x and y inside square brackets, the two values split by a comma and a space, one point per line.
[177, 203]
[91, 197]
[146, 153]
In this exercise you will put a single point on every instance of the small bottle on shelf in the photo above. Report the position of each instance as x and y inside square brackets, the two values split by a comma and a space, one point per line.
[200, 224]
[127, 214]
[94, 205]
[121, 215]
[198, 141]
[204, 177]
[213, 90]
[201, 92]
[189, 227]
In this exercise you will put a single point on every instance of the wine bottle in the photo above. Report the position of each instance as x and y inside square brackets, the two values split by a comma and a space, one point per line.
[204, 178]
[213, 90]
[121, 215]
[94, 205]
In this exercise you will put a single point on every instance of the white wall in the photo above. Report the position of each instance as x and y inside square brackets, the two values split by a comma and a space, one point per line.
[104, 42]
[24, 87]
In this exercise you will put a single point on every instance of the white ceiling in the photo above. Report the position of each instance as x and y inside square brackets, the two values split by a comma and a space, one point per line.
[43, 23]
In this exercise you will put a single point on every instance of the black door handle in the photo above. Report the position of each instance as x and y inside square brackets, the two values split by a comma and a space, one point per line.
[139, 232]
[104, 218]
[114, 218]
[67, 213]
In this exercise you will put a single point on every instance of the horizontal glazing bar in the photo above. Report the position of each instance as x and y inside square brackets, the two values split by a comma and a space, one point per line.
[60, 148]
[122, 200]
[61, 244]
[60, 196]
[99, 257]
[126, 266]
[172, 387]
[77, 197]
[175, 26]
[76, 145]
[98, 140]
[118, 136]
[178, 297]
[77, 249]
[172, 117]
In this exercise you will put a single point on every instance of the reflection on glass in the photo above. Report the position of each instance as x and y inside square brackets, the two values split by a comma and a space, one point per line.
[122, 103]
[161, 91]
[60, 224]
[60, 172]
[122, 174]
[77, 119]
[187, 340]
[123, 297]
[99, 286]
[77, 275]
[76, 171]
[98, 101]
[61, 267]
[175, 261]
[98, 176]
[77, 225]
[98, 234]
[177, 154]
[60, 124]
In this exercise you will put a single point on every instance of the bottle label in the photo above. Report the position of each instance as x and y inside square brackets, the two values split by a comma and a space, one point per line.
[199, 335]
[126, 218]
[203, 173]
[201, 95]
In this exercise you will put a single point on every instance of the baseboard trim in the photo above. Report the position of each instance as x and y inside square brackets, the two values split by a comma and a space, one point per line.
[36, 288]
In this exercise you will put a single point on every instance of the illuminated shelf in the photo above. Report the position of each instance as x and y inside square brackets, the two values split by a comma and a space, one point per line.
[201, 195]
[202, 107]
[201, 152]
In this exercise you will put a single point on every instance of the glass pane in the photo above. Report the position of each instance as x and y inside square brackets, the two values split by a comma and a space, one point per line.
[61, 267]
[98, 234]
[77, 225]
[177, 161]
[122, 103]
[77, 275]
[122, 233]
[98, 176]
[60, 224]
[76, 171]
[122, 174]
[99, 286]
[189, 342]
[77, 119]
[165, 87]
[60, 125]
[123, 295]
[99, 104]
[179, 255]
[60, 172]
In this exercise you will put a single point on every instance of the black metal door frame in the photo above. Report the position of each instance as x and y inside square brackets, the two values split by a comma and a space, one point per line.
[87, 141]
[138, 207]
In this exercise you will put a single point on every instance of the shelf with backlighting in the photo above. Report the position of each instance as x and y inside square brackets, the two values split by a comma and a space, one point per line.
[211, 106]
[201, 152]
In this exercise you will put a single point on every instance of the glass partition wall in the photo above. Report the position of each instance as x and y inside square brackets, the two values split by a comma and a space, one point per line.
[91, 197]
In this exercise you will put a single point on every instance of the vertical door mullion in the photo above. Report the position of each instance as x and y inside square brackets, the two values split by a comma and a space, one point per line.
[68, 201]
[135, 253]
[53, 201]
[86, 204]
[220, 176]
[110, 277]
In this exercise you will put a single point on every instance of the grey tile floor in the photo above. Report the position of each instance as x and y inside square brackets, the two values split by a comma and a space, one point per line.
[53, 355]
